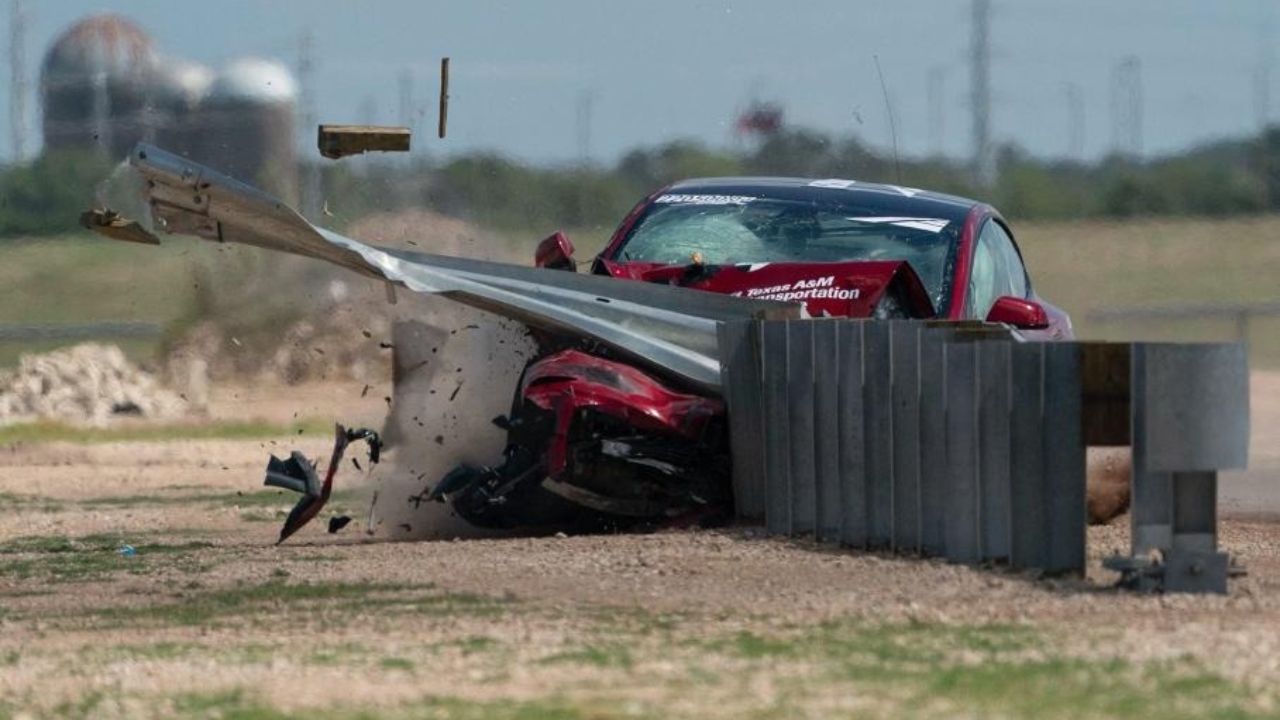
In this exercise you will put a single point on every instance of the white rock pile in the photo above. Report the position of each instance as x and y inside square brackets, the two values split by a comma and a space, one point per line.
[88, 384]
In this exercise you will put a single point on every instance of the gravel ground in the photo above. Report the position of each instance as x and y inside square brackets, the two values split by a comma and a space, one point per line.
[105, 636]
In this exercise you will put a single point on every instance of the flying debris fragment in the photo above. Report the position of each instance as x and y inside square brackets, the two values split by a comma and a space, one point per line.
[337, 141]
[110, 223]
[299, 475]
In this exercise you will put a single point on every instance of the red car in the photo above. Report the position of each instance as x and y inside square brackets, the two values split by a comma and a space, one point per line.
[595, 443]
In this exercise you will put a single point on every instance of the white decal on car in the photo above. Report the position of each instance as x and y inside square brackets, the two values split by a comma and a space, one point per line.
[704, 199]
[834, 183]
[820, 288]
[928, 224]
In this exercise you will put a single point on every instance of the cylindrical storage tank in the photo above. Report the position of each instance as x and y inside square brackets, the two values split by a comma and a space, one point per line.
[248, 122]
[96, 84]
[181, 89]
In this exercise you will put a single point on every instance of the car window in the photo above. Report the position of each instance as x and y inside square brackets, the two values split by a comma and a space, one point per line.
[997, 271]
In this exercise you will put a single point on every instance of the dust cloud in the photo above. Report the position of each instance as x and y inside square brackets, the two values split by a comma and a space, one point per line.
[456, 370]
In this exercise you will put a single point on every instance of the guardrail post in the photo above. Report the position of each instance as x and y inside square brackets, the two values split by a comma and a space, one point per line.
[777, 431]
[853, 435]
[828, 357]
[740, 377]
[904, 350]
[801, 427]
[963, 538]
[1190, 419]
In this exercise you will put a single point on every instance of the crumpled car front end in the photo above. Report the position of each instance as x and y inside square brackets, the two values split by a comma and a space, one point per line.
[595, 444]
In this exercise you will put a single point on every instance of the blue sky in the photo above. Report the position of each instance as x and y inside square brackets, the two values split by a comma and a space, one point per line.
[662, 69]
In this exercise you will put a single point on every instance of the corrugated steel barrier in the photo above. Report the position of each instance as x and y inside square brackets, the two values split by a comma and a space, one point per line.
[960, 441]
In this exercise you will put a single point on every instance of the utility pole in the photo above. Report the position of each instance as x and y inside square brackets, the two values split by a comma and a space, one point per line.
[937, 110]
[1126, 107]
[405, 83]
[18, 80]
[307, 116]
[1075, 121]
[586, 99]
[1262, 77]
[980, 91]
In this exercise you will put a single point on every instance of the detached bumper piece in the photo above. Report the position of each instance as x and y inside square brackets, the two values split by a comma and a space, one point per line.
[299, 475]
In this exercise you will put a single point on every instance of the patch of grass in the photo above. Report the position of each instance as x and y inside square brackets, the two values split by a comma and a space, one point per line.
[237, 705]
[476, 644]
[607, 655]
[396, 663]
[90, 557]
[163, 650]
[930, 670]
[300, 603]
[256, 503]
[48, 431]
[28, 503]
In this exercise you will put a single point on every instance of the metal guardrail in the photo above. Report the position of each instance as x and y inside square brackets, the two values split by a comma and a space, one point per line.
[960, 442]
[80, 331]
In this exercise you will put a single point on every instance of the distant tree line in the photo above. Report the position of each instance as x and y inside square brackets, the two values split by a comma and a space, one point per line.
[1228, 177]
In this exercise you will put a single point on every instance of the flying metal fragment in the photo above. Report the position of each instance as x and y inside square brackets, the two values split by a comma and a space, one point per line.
[299, 475]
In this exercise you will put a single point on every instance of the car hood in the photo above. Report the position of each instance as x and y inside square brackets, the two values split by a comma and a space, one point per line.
[843, 289]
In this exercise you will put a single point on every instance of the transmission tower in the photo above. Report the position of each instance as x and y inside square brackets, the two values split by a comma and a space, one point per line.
[937, 110]
[1262, 77]
[1126, 107]
[307, 119]
[980, 91]
[18, 80]
[1075, 121]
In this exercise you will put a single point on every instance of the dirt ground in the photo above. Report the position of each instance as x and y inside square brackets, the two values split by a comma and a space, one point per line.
[206, 617]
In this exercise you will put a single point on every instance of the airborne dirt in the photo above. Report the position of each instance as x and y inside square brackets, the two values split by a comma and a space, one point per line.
[206, 618]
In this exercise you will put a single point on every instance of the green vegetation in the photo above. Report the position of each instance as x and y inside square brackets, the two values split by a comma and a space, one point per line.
[89, 558]
[47, 196]
[609, 655]
[298, 604]
[1236, 176]
[45, 431]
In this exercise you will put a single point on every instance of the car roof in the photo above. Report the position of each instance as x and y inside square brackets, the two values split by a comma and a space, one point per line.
[876, 198]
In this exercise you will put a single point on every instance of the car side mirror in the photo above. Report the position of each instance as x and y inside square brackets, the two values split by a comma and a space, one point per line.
[555, 253]
[1018, 312]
